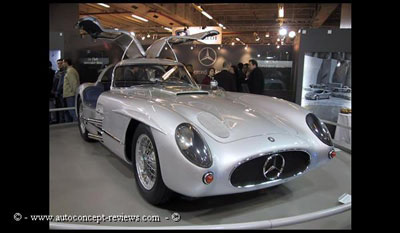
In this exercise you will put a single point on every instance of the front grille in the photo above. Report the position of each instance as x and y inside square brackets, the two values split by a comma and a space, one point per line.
[251, 172]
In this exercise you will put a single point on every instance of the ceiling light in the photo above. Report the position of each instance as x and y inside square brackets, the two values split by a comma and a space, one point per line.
[224, 27]
[102, 4]
[219, 48]
[278, 46]
[282, 32]
[233, 43]
[281, 11]
[168, 29]
[207, 15]
[132, 33]
[140, 18]
[246, 47]
[166, 48]
[267, 35]
[292, 34]
[237, 39]
[115, 28]
[278, 39]
[221, 25]
[143, 37]
[258, 38]
[191, 47]
[258, 55]
[148, 35]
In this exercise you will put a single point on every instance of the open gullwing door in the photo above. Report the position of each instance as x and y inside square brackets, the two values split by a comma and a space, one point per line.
[155, 49]
[127, 42]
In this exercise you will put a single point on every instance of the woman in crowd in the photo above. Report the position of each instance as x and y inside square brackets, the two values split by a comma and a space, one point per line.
[209, 76]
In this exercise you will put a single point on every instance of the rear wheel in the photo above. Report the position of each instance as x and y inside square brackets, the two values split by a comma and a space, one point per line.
[81, 123]
[146, 167]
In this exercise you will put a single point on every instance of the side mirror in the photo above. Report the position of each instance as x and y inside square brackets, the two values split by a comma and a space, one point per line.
[213, 84]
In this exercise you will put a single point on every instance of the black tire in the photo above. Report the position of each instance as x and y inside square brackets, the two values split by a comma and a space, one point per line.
[84, 132]
[317, 97]
[159, 193]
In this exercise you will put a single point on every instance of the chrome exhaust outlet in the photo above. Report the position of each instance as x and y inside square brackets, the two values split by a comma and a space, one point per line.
[95, 137]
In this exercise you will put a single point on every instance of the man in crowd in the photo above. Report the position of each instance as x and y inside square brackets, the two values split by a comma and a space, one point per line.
[57, 90]
[226, 78]
[256, 78]
[71, 83]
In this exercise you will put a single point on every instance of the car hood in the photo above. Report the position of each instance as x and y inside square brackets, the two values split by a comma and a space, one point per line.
[222, 116]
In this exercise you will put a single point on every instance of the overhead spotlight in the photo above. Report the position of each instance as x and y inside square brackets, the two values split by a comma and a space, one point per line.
[258, 38]
[282, 32]
[219, 48]
[258, 55]
[267, 34]
[246, 47]
[278, 39]
[166, 48]
[278, 46]
[168, 29]
[237, 39]
[132, 33]
[233, 43]
[104, 5]
[116, 29]
[143, 37]
[292, 34]
[148, 35]
[269, 43]
[140, 18]
[191, 47]
[221, 25]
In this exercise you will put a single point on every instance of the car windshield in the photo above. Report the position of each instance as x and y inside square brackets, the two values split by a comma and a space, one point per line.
[152, 74]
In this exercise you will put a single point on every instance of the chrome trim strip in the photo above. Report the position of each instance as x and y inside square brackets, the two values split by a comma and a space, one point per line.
[112, 136]
[264, 154]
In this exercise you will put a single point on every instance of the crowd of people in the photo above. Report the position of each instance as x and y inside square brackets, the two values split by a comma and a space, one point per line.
[63, 84]
[241, 78]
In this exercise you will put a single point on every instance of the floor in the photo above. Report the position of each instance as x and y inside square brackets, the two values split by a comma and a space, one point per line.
[87, 179]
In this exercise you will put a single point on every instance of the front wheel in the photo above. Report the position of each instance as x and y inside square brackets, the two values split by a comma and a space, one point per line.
[146, 167]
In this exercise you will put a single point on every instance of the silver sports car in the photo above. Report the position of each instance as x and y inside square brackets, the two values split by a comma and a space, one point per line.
[182, 138]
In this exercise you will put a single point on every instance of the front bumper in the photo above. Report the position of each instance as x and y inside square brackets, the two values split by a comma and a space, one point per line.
[185, 178]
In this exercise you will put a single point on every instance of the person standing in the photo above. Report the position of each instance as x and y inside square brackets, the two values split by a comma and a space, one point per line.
[71, 83]
[58, 90]
[226, 78]
[256, 78]
[209, 77]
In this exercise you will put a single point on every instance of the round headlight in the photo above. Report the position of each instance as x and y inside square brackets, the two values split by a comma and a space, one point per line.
[319, 129]
[193, 146]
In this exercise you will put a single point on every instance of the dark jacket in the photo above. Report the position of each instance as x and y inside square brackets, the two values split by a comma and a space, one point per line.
[256, 81]
[226, 80]
[206, 80]
[51, 76]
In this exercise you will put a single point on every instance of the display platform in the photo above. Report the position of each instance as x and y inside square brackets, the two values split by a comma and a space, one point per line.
[88, 179]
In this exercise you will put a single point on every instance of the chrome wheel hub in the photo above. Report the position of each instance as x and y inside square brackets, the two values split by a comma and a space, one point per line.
[146, 162]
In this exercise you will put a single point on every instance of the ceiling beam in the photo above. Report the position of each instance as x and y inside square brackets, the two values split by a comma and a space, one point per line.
[325, 10]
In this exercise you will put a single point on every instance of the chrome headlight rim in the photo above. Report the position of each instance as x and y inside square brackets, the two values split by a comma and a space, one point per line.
[186, 153]
[318, 128]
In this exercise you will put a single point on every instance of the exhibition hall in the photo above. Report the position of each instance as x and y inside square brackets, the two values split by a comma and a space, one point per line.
[177, 116]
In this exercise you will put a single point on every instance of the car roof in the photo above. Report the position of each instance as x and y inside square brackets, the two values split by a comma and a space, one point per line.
[160, 61]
